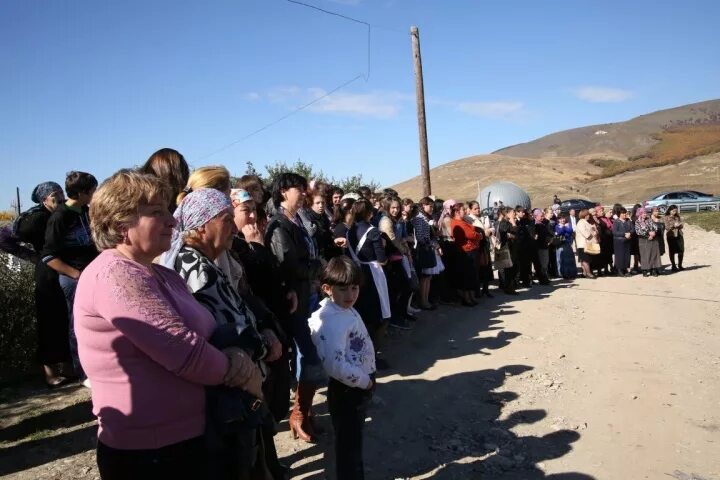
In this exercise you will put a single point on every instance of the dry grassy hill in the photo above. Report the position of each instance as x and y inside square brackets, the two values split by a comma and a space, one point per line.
[542, 178]
[619, 140]
[674, 149]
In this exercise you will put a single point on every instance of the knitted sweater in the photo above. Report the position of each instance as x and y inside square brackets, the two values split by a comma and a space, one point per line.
[142, 343]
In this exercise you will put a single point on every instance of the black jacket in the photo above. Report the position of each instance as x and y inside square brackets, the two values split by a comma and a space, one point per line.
[289, 244]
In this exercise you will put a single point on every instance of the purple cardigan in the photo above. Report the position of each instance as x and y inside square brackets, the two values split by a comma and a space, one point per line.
[142, 342]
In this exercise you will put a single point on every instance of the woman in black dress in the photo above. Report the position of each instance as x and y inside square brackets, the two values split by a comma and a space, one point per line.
[365, 247]
[507, 236]
[53, 350]
[623, 231]
[675, 240]
[634, 241]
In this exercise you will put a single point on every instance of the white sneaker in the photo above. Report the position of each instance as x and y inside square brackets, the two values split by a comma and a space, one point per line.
[86, 383]
[412, 310]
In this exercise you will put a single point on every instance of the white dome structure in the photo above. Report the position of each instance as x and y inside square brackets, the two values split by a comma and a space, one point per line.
[506, 192]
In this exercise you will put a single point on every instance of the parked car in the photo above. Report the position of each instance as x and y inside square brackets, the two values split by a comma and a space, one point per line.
[684, 200]
[700, 194]
[577, 204]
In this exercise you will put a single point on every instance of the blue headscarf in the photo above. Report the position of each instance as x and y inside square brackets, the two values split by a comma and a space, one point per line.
[44, 190]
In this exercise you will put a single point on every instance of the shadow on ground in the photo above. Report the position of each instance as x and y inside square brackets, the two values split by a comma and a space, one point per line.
[451, 427]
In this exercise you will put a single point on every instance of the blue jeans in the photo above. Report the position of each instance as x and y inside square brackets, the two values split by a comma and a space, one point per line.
[68, 286]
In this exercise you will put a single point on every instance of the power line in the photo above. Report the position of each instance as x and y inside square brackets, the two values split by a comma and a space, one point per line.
[369, 27]
[372, 25]
[365, 77]
[275, 122]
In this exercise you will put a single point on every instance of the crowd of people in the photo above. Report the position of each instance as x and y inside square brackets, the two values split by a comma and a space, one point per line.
[192, 304]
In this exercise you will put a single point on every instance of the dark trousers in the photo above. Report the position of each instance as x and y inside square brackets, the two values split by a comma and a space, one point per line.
[524, 265]
[68, 286]
[347, 407]
[398, 289]
[185, 460]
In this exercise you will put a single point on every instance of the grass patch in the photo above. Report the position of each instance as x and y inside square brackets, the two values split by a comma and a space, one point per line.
[675, 144]
[709, 221]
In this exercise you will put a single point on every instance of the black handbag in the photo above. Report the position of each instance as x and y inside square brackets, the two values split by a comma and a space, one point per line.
[226, 405]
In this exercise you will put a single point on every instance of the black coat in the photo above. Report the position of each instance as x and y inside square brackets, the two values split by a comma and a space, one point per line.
[291, 244]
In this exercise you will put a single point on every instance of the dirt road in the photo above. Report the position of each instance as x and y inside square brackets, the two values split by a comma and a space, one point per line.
[607, 379]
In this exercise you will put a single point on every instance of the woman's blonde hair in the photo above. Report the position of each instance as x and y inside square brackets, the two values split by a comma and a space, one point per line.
[116, 203]
[216, 177]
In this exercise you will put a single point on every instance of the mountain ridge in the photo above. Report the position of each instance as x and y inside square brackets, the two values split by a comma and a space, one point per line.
[672, 149]
[622, 140]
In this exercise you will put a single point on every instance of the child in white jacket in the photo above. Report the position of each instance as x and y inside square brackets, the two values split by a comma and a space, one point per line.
[348, 356]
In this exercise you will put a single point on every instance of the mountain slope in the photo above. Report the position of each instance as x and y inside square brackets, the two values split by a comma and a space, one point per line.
[566, 176]
[619, 140]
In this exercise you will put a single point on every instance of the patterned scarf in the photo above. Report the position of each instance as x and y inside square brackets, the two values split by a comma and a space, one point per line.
[195, 210]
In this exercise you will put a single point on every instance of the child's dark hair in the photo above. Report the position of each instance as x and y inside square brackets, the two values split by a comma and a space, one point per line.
[79, 182]
[341, 271]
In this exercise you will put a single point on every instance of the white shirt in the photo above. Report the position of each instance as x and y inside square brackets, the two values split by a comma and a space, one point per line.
[343, 344]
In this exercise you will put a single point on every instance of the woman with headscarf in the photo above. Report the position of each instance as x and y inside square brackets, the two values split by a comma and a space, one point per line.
[675, 241]
[647, 233]
[206, 228]
[660, 225]
[53, 351]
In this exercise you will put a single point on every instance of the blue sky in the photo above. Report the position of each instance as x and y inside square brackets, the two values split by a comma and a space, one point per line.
[97, 86]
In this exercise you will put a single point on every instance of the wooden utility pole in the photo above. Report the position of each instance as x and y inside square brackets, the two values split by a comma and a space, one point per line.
[17, 192]
[422, 127]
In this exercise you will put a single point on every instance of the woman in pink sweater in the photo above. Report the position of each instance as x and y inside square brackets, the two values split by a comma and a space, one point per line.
[142, 340]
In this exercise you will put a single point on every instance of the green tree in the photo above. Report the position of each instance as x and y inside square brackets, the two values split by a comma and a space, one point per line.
[299, 167]
[348, 184]
[353, 182]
